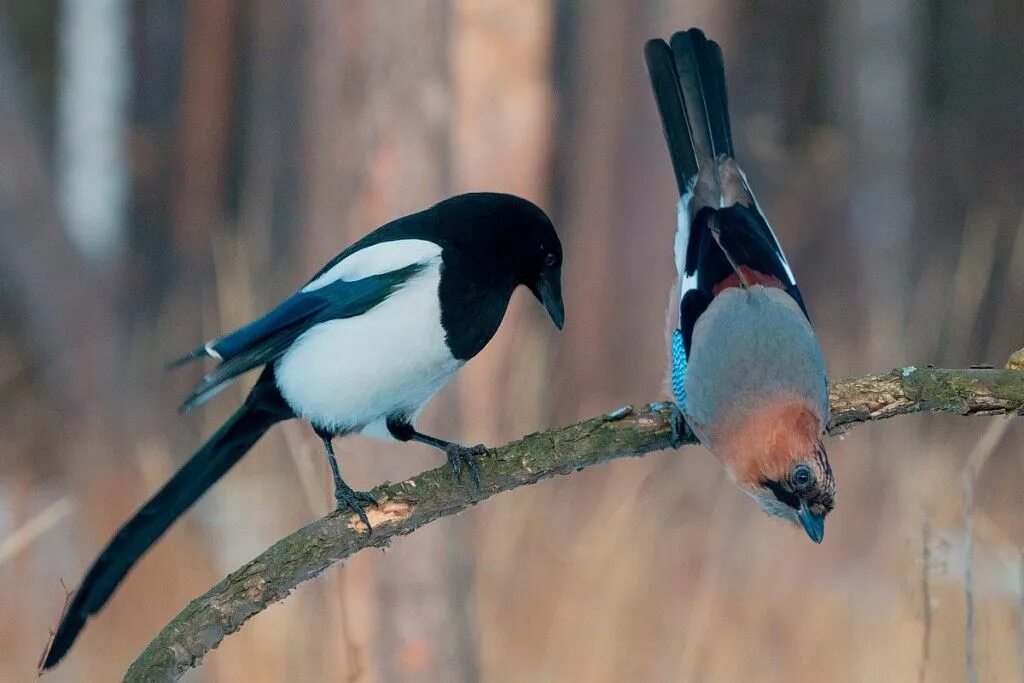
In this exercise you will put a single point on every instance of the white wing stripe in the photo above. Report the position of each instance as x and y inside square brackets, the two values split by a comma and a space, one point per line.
[686, 283]
[376, 259]
[778, 244]
[212, 352]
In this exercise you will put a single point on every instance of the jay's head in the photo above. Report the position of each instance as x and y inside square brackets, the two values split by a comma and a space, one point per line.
[776, 455]
[802, 493]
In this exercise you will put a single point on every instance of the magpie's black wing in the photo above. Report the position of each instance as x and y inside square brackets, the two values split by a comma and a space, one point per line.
[266, 339]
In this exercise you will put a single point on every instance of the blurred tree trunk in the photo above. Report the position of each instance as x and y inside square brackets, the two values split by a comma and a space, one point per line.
[200, 145]
[784, 109]
[92, 106]
[876, 78]
[615, 201]
[598, 85]
[268, 203]
[65, 314]
[151, 279]
[971, 50]
[159, 37]
[378, 141]
[207, 106]
[501, 55]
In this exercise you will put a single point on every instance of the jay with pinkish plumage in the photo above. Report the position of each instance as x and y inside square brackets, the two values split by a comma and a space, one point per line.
[746, 368]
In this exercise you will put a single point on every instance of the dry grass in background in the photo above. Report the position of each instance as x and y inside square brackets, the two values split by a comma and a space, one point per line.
[649, 569]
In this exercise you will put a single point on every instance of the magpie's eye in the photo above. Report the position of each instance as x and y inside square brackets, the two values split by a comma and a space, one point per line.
[550, 259]
[802, 476]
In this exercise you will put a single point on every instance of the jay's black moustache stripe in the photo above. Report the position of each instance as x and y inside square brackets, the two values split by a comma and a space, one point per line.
[782, 493]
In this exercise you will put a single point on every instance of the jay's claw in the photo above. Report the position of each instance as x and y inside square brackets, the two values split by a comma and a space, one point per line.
[681, 431]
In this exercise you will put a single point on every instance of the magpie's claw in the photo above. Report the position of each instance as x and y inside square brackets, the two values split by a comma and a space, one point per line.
[353, 500]
[468, 456]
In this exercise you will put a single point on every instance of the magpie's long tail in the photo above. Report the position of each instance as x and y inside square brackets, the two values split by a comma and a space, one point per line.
[262, 409]
[688, 77]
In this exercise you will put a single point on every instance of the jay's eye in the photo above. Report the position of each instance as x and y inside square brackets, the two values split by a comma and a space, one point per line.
[549, 259]
[802, 476]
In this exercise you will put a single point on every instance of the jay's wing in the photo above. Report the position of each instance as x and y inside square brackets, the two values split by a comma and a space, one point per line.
[735, 246]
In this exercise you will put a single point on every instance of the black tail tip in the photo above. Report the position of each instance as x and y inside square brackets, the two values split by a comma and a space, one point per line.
[193, 355]
[50, 660]
[187, 405]
[654, 44]
[60, 643]
[656, 50]
[692, 33]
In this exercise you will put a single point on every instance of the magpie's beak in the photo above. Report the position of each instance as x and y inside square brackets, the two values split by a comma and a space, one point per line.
[548, 290]
[814, 524]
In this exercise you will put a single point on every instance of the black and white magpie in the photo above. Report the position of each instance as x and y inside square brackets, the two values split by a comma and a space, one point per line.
[360, 348]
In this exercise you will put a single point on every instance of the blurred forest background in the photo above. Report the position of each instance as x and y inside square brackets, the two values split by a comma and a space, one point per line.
[170, 169]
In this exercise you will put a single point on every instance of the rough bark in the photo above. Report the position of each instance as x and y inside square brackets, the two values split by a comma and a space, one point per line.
[408, 505]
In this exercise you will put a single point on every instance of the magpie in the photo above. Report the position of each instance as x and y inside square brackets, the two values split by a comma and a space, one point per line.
[359, 349]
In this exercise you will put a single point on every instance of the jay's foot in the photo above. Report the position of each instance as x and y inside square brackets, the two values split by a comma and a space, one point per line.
[681, 432]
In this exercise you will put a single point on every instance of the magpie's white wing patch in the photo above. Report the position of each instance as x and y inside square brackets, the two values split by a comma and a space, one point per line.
[326, 299]
[351, 373]
[377, 259]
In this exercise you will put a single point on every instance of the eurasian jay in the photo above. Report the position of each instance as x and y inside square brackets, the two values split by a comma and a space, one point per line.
[746, 369]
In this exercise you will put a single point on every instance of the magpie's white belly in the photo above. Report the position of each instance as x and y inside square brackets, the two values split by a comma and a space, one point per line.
[350, 374]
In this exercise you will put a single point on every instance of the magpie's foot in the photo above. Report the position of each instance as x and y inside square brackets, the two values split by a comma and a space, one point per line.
[354, 500]
[468, 456]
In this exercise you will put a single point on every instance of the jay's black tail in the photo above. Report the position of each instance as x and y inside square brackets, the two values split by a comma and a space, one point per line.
[263, 408]
[722, 237]
[688, 77]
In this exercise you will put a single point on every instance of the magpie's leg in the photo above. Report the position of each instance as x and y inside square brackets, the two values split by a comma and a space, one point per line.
[344, 495]
[402, 429]
[457, 455]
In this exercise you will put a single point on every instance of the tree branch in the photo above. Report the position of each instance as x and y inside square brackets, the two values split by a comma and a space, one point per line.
[406, 506]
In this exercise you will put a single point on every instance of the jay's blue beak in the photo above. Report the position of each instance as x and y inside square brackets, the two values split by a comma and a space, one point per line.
[814, 524]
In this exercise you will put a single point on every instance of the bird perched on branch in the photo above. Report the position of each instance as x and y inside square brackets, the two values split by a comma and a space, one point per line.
[361, 348]
[746, 368]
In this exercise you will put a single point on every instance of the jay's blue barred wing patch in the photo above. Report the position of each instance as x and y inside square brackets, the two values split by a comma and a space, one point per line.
[266, 339]
[679, 369]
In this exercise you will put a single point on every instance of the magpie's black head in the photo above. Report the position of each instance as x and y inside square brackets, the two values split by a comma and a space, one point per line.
[513, 238]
